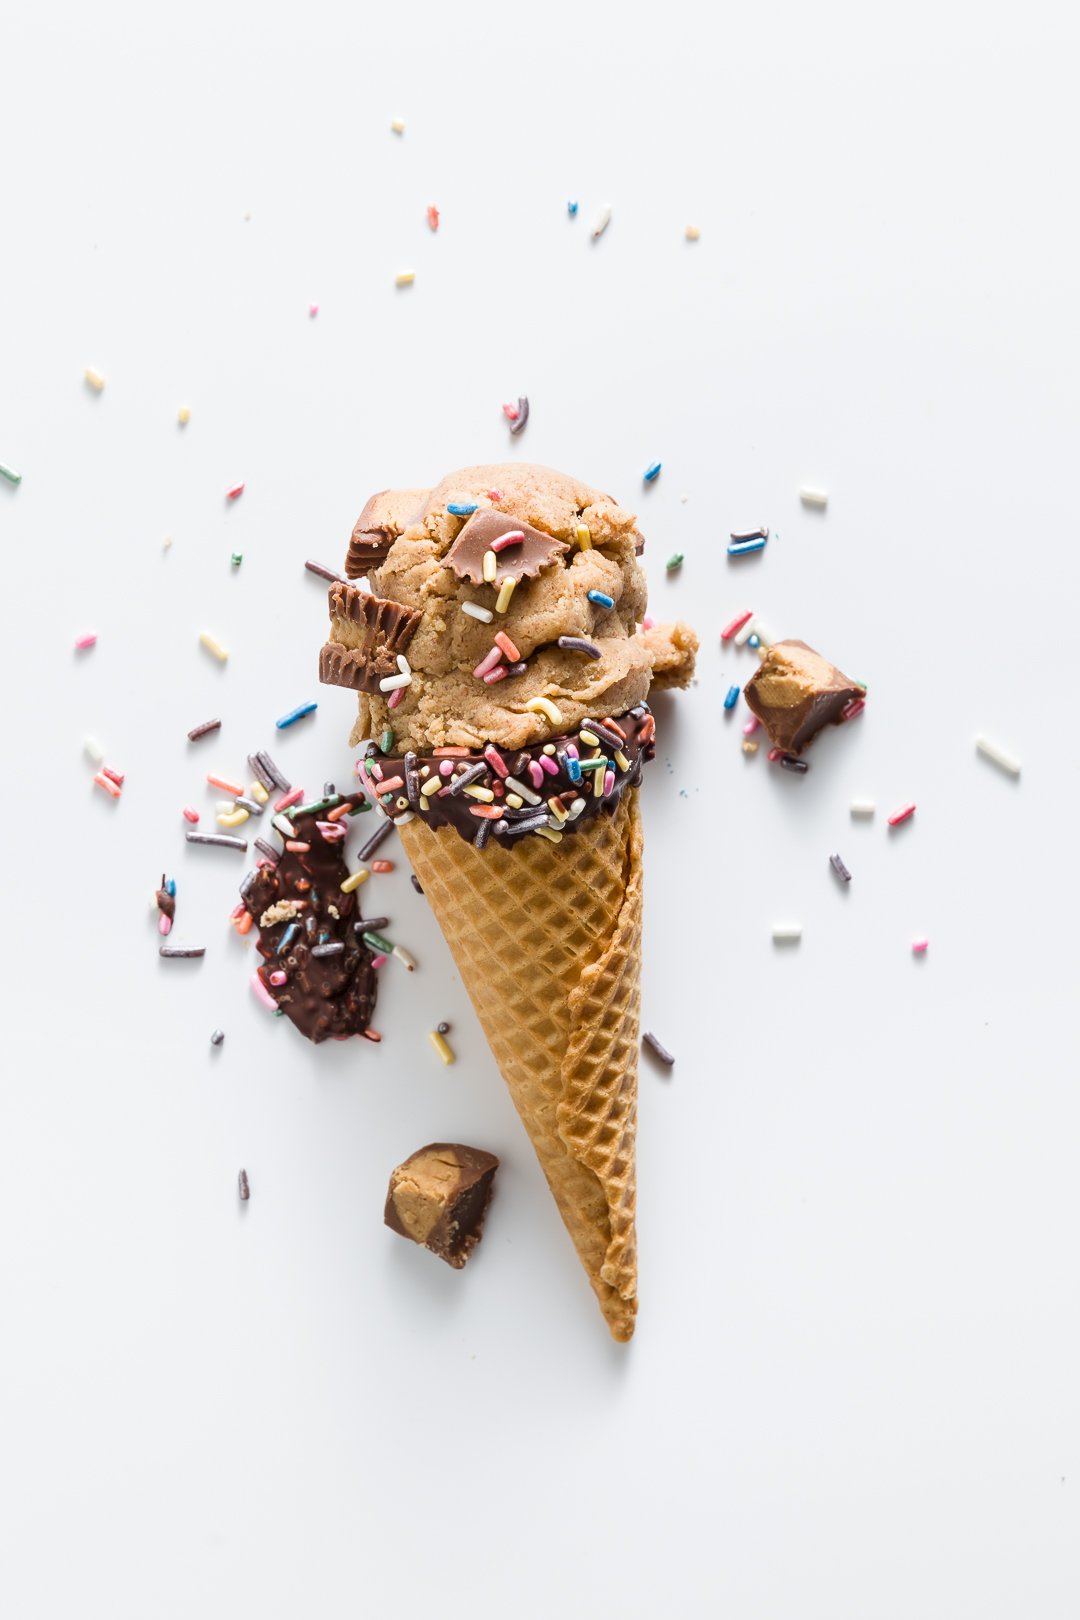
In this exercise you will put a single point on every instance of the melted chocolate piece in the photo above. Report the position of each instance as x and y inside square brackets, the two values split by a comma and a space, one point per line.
[795, 692]
[439, 1197]
[299, 909]
[502, 772]
[526, 557]
[384, 630]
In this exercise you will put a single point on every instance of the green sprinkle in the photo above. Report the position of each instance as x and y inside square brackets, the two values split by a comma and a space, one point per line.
[674, 561]
[315, 806]
[377, 943]
[358, 809]
[600, 764]
[237, 558]
[386, 741]
[10, 474]
[862, 684]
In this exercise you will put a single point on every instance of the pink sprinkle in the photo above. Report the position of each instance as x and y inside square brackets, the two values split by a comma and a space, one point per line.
[510, 412]
[382, 866]
[609, 781]
[433, 216]
[856, 706]
[572, 750]
[503, 640]
[164, 924]
[919, 946]
[491, 754]
[905, 813]
[237, 911]
[262, 993]
[87, 639]
[495, 495]
[332, 831]
[495, 675]
[376, 962]
[392, 784]
[774, 754]
[751, 726]
[279, 976]
[297, 846]
[190, 814]
[647, 622]
[313, 310]
[487, 663]
[736, 624]
[394, 699]
[289, 798]
[373, 767]
[234, 493]
[512, 537]
[114, 776]
[549, 765]
[446, 767]
[110, 787]
[536, 775]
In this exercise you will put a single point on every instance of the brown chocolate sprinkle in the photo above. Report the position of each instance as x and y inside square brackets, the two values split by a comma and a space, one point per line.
[525, 558]
[217, 1037]
[579, 644]
[522, 416]
[378, 837]
[243, 1186]
[325, 573]
[416, 883]
[182, 950]
[204, 730]
[658, 1050]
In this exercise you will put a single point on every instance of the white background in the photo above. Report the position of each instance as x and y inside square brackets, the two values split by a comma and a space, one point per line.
[853, 1394]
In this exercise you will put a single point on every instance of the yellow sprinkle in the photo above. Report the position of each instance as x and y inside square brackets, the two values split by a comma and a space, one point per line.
[598, 784]
[431, 786]
[749, 747]
[491, 563]
[621, 760]
[549, 748]
[404, 278]
[485, 795]
[589, 737]
[440, 1046]
[506, 591]
[544, 706]
[257, 792]
[183, 416]
[584, 539]
[95, 379]
[354, 879]
[166, 543]
[397, 125]
[213, 645]
[235, 818]
[550, 834]
[557, 808]
[423, 805]
[514, 800]
[693, 232]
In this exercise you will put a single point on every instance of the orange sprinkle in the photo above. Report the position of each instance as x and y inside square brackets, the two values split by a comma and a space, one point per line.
[243, 923]
[235, 788]
[502, 641]
[451, 753]
[338, 811]
[614, 726]
[382, 866]
[486, 812]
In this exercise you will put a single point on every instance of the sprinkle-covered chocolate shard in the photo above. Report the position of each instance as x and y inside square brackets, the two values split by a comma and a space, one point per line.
[366, 636]
[535, 550]
[384, 517]
[795, 692]
[439, 1197]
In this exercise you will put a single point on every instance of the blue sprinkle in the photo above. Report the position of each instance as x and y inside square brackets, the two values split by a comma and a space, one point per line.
[170, 887]
[571, 209]
[652, 472]
[296, 714]
[573, 768]
[753, 641]
[741, 547]
[601, 599]
[461, 508]
[287, 938]
[732, 697]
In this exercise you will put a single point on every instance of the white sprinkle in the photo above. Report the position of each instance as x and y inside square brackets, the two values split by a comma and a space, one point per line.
[762, 631]
[575, 809]
[603, 220]
[693, 232]
[403, 956]
[390, 683]
[741, 637]
[397, 125]
[403, 665]
[997, 755]
[224, 807]
[403, 818]
[93, 750]
[475, 611]
[786, 933]
[813, 497]
[863, 807]
[284, 826]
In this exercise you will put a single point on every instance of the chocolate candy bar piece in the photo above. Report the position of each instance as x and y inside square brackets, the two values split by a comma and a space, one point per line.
[795, 692]
[439, 1198]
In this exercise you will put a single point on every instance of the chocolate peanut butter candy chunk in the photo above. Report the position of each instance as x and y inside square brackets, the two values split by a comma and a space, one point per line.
[366, 636]
[795, 692]
[378, 526]
[439, 1198]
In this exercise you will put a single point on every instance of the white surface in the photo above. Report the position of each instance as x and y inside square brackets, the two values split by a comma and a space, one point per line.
[854, 1390]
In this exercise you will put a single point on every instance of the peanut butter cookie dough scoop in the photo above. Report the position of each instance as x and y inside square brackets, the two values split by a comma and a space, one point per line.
[502, 676]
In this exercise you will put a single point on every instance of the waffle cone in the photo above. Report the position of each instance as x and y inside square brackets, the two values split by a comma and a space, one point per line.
[547, 938]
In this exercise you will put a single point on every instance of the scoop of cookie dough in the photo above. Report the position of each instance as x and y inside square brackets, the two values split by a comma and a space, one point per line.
[446, 704]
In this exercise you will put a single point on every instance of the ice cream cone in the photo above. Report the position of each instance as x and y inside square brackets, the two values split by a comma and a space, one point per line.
[548, 943]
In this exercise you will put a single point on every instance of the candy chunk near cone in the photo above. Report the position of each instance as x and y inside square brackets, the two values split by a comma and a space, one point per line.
[547, 939]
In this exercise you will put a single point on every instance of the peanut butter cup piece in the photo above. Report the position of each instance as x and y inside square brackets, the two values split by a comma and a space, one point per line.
[795, 692]
[439, 1197]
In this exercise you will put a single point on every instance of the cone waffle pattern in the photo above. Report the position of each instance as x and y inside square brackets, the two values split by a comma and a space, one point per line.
[547, 938]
